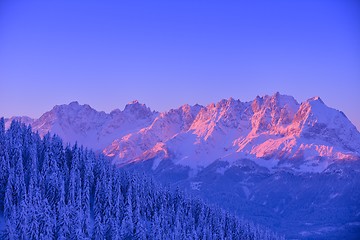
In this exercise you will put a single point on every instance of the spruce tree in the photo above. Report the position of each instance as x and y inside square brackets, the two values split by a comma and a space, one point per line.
[54, 192]
[63, 222]
[127, 225]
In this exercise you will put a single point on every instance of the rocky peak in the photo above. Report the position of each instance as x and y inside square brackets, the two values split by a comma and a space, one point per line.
[137, 109]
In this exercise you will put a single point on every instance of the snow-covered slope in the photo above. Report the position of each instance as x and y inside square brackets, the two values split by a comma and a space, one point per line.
[93, 129]
[281, 163]
[273, 128]
[273, 131]
[24, 119]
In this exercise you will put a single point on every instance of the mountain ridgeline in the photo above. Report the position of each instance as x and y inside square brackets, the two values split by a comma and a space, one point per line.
[275, 128]
[292, 167]
[51, 191]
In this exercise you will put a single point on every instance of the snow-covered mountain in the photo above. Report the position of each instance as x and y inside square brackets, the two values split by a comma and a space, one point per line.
[270, 130]
[93, 129]
[24, 119]
[287, 165]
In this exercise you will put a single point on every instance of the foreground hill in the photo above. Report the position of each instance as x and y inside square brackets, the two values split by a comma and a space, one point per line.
[291, 166]
[48, 191]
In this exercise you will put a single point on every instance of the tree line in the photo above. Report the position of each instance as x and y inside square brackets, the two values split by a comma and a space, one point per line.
[49, 190]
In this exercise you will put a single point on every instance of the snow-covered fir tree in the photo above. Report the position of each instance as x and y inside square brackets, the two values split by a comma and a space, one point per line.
[52, 191]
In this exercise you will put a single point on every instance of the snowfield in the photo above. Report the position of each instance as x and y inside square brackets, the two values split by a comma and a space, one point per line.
[293, 167]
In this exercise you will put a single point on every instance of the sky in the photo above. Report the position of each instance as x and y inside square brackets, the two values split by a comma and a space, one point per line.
[167, 53]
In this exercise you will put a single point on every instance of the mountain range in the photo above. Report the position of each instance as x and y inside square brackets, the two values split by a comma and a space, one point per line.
[274, 131]
[291, 166]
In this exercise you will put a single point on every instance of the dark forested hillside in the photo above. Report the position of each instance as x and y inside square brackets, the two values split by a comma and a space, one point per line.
[51, 191]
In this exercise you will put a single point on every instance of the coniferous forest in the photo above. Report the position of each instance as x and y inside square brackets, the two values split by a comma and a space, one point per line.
[49, 190]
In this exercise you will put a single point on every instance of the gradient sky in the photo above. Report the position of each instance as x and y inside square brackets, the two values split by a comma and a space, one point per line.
[167, 53]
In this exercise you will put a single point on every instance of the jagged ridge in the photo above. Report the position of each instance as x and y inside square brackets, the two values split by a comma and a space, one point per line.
[276, 128]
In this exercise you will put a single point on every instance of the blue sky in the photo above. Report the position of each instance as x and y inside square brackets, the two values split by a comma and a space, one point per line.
[167, 53]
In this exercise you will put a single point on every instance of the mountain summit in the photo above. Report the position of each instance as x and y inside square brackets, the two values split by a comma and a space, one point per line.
[270, 130]
[273, 128]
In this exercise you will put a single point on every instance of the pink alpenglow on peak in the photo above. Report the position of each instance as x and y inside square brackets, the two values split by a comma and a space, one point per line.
[270, 127]
[137, 109]
[273, 128]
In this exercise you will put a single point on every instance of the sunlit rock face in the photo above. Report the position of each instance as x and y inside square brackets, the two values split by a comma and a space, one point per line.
[271, 127]
[275, 128]
[271, 158]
